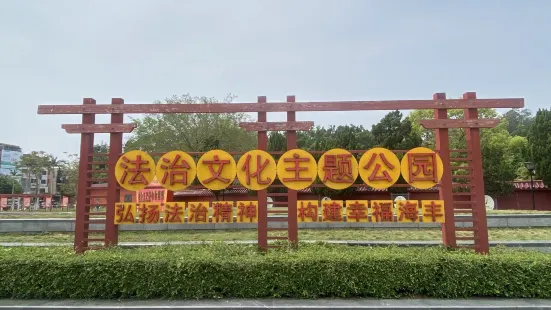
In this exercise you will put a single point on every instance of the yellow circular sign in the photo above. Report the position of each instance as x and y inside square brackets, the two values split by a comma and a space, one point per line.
[216, 169]
[256, 170]
[135, 170]
[176, 170]
[422, 167]
[338, 168]
[296, 169]
[379, 168]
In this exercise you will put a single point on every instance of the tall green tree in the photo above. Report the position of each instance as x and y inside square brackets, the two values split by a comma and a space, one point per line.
[191, 132]
[395, 132]
[8, 183]
[539, 140]
[520, 121]
[32, 165]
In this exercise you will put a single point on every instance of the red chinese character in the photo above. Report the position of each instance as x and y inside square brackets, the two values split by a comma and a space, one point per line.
[332, 211]
[198, 214]
[374, 174]
[148, 214]
[382, 211]
[407, 210]
[422, 167]
[356, 211]
[223, 212]
[247, 211]
[310, 210]
[137, 176]
[216, 174]
[122, 216]
[259, 168]
[296, 160]
[176, 171]
[433, 211]
[338, 168]
[173, 213]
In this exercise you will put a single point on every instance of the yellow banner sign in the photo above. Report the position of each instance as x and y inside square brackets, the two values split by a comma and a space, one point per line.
[308, 211]
[296, 169]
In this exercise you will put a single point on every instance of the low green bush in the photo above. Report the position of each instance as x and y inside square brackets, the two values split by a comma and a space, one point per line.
[236, 271]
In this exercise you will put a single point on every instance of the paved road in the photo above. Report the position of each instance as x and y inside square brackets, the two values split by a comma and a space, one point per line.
[432, 304]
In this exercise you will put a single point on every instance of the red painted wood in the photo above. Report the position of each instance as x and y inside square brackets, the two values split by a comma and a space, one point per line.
[445, 188]
[276, 126]
[82, 220]
[479, 209]
[113, 188]
[262, 196]
[292, 224]
[284, 106]
[459, 123]
[99, 128]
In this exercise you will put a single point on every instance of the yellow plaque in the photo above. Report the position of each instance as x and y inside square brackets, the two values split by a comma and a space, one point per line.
[422, 167]
[222, 212]
[247, 212]
[198, 212]
[382, 211]
[379, 168]
[357, 211]
[135, 170]
[296, 169]
[149, 212]
[125, 213]
[407, 211]
[174, 213]
[176, 170]
[307, 211]
[338, 169]
[256, 170]
[433, 211]
[332, 211]
[216, 170]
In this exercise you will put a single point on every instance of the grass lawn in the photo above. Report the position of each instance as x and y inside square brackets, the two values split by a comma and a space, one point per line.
[304, 234]
[71, 214]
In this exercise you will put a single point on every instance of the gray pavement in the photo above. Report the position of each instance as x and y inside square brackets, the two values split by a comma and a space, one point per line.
[284, 304]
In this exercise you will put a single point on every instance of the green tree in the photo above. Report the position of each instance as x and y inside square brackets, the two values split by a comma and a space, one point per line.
[68, 176]
[395, 133]
[277, 142]
[191, 132]
[32, 165]
[539, 140]
[9, 185]
[519, 121]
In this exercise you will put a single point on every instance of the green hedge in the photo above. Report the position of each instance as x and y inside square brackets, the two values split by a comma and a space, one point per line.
[312, 271]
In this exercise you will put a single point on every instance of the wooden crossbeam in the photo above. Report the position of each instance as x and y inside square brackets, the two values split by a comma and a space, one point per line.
[282, 106]
[459, 123]
[276, 126]
[98, 128]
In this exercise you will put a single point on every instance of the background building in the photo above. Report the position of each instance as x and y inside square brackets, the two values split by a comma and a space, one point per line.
[9, 155]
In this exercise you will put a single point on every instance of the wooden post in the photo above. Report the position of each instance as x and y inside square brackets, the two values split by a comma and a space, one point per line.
[477, 191]
[445, 189]
[292, 224]
[83, 200]
[262, 195]
[113, 188]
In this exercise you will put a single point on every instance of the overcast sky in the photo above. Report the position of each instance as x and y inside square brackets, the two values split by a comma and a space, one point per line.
[57, 52]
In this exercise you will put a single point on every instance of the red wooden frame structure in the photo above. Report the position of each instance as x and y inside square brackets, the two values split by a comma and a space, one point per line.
[468, 160]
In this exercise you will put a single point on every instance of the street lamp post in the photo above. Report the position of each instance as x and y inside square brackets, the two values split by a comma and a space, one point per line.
[531, 167]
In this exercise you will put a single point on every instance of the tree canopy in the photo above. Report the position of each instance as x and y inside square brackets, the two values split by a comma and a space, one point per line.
[540, 145]
[7, 183]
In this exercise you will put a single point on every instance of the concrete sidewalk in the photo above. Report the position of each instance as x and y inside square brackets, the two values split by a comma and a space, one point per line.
[283, 304]
[510, 243]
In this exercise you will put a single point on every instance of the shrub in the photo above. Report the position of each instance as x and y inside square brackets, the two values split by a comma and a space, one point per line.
[236, 271]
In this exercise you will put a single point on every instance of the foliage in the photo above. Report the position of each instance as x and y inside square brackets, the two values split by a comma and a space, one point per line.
[519, 122]
[234, 271]
[395, 133]
[33, 164]
[68, 176]
[191, 132]
[540, 145]
[7, 183]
